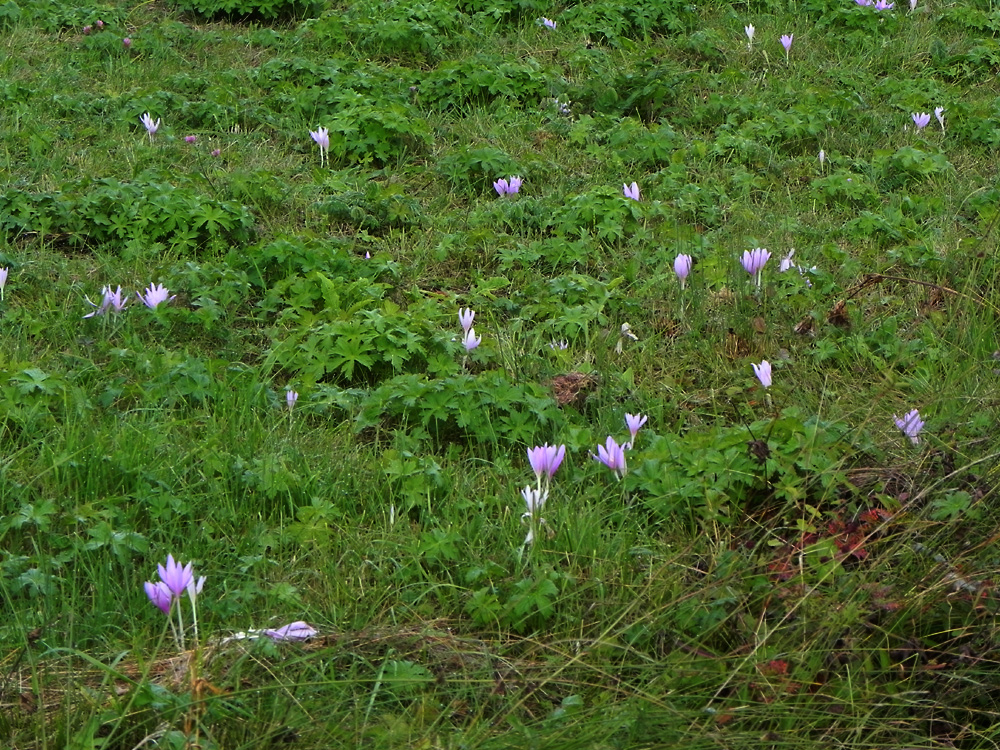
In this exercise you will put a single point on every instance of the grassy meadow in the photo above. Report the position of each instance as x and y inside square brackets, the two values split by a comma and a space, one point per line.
[796, 549]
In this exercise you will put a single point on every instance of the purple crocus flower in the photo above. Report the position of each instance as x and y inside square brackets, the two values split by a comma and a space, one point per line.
[86, 30]
[3, 280]
[612, 455]
[155, 295]
[109, 300]
[216, 152]
[126, 43]
[939, 114]
[322, 138]
[99, 24]
[634, 422]
[160, 595]
[749, 30]
[753, 261]
[682, 267]
[545, 459]
[561, 345]
[911, 425]
[290, 398]
[508, 187]
[147, 121]
[470, 341]
[293, 631]
[921, 119]
[177, 577]
[883, 5]
[763, 373]
[465, 317]
[548, 23]
[631, 191]
[190, 138]
[786, 42]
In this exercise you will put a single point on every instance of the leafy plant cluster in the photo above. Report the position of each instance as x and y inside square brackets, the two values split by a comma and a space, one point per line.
[88, 211]
[266, 9]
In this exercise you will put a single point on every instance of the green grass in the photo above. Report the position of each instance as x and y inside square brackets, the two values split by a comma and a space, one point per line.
[780, 567]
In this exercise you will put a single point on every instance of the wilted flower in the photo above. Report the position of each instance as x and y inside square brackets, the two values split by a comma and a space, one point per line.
[787, 262]
[612, 455]
[190, 138]
[753, 261]
[939, 114]
[176, 576]
[631, 191]
[293, 631]
[682, 267]
[126, 42]
[786, 42]
[151, 127]
[545, 459]
[290, 398]
[921, 119]
[763, 373]
[534, 498]
[109, 300]
[749, 32]
[634, 422]
[322, 138]
[155, 295]
[911, 425]
[465, 317]
[470, 341]
[548, 23]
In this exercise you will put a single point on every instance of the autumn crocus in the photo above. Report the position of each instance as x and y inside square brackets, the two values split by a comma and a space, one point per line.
[763, 373]
[470, 341]
[921, 119]
[290, 398]
[156, 294]
[749, 30]
[151, 127]
[176, 576]
[682, 267]
[910, 425]
[508, 187]
[753, 261]
[548, 23]
[293, 631]
[190, 138]
[160, 595]
[127, 43]
[631, 191]
[939, 114]
[786, 42]
[545, 460]
[110, 300]
[884, 5]
[322, 138]
[612, 455]
[634, 422]
[3, 280]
